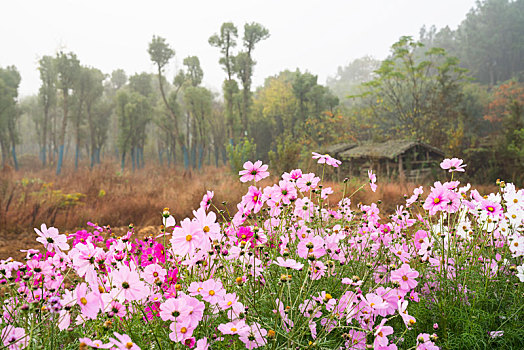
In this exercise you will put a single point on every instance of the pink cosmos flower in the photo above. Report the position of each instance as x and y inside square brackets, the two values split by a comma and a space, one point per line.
[235, 327]
[372, 180]
[208, 224]
[416, 194]
[492, 208]
[51, 239]
[253, 200]
[206, 200]
[14, 338]
[453, 164]
[289, 263]
[356, 340]
[307, 182]
[228, 301]
[255, 337]
[174, 309]
[254, 172]
[437, 200]
[409, 320]
[327, 159]
[128, 282]
[181, 330]
[188, 238]
[154, 273]
[293, 175]
[311, 245]
[98, 344]
[89, 302]
[202, 344]
[381, 334]
[405, 276]
[196, 307]
[212, 291]
[123, 342]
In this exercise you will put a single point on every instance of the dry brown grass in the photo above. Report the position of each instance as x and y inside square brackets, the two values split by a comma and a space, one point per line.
[29, 198]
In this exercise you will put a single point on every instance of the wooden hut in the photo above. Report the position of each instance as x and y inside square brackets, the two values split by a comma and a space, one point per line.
[402, 159]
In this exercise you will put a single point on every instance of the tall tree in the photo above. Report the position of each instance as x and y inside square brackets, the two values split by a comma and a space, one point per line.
[97, 115]
[9, 83]
[47, 94]
[161, 53]
[226, 41]
[243, 65]
[68, 67]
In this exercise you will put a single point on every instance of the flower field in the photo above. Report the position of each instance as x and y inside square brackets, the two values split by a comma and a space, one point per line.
[284, 271]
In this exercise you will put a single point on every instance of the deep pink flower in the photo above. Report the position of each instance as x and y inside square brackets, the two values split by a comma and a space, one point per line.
[255, 171]
[492, 208]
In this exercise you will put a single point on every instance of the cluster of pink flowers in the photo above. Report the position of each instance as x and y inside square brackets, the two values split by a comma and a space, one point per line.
[285, 264]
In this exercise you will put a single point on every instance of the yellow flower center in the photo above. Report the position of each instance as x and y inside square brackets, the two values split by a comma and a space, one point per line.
[211, 292]
[233, 329]
[244, 236]
[183, 330]
[229, 303]
[83, 301]
[206, 229]
[404, 278]
[491, 209]
[189, 238]
[436, 200]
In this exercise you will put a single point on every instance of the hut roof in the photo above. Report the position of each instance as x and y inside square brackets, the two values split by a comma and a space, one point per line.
[339, 147]
[389, 149]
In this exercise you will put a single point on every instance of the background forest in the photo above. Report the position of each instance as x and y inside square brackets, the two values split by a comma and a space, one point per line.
[459, 90]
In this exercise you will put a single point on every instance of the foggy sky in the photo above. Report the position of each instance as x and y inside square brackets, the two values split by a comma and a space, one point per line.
[312, 35]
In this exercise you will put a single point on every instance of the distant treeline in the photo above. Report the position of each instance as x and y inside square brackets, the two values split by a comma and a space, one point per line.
[461, 91]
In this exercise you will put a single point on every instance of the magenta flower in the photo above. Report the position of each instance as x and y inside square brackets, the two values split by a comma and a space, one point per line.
[453, 164]
[254, 172]
[123, 342]
[327, 159]
[405, 276]
[492, 208]
[437, 200]
[51, 239]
